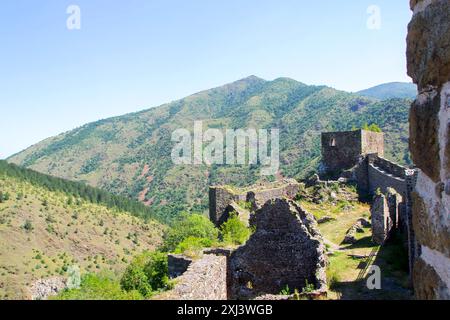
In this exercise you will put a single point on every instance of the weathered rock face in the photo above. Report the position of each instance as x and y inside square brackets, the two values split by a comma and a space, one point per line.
[45, 288]
[428, 43]
[285, 250]
[429, 66]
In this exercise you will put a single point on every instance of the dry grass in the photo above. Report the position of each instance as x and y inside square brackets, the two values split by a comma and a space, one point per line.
[91, 236]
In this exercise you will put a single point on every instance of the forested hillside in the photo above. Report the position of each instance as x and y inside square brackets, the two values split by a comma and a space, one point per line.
[48, 225]
[131, 155]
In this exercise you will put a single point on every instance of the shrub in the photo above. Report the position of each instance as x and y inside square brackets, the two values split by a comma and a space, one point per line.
[192, 246]
[373, 127]
[157, 271]
[189, 225]
[98, 287]
[234, 231]
[147, 273]
[28, 226]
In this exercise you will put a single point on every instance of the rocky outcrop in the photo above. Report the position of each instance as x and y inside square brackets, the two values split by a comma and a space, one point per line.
[358, 227]
[45, 288]
[429, 65]
[285, 250]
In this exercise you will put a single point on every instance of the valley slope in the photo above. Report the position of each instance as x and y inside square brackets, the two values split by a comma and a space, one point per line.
[131, 154]
[44, 231]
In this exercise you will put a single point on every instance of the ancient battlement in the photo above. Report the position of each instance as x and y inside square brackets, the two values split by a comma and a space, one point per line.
[285, 249]
[360, 155]
[223, 199]
[343, 150]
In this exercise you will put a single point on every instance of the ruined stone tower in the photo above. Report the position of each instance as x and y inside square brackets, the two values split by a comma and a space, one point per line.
[343, 150]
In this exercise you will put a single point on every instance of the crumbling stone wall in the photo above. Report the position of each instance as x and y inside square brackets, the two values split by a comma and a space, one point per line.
[222, 197]
[204, 279]
[285, 250]
[178, 264]
[383, 180]
[428, 56]
[386, 211]
[381, 220]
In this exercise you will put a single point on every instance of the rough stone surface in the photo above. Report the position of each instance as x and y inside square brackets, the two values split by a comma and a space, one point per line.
[381, 221]
[45, 288]
[429, 231]
[427, 283]
[178, 264]
[205, 279]
[342, 150]
[285, 250]
[221, 197]
[429, 65]
[424, 133]
[428, 52]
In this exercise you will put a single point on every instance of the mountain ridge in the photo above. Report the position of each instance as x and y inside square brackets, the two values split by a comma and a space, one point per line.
[130, 154]
[391, 90]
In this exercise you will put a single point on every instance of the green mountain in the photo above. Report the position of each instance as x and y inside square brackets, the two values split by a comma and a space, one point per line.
[131, 155]
[402, 90]
[48, 225]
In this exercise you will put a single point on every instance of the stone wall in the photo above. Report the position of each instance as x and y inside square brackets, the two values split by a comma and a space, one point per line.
[372, 143]
[383, 180]
[285, 250]
[221, 197]
[381, 221]
[178, 264]
[428, 57]
[390, 167]
[343, 150]
[205, 279]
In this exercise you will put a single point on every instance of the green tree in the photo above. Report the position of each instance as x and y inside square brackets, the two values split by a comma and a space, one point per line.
[192, 246]
[189, 225]
[373, 127]
[147, 273]
[234, 231]
[98, 287]
[157, 271]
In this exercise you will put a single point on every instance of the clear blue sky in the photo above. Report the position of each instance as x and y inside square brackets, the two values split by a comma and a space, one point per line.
[135, 54]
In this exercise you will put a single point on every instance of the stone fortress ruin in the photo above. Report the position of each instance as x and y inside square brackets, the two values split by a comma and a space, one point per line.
[357, 156]
[415, 201]
[286, 248]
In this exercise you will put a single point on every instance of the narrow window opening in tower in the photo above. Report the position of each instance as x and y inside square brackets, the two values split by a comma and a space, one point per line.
[333, 143]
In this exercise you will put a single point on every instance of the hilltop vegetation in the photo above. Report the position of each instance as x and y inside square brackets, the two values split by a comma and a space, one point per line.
[49, 225]
[131, 155]
[391, 90]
